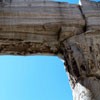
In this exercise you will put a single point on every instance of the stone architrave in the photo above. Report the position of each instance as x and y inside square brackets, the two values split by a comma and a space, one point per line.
[69, 31]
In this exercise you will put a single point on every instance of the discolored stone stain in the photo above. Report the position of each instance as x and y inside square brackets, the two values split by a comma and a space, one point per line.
[75, 68]
[83, 67]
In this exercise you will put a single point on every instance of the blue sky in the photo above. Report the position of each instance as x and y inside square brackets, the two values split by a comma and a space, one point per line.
[70, 1]
[33, 78]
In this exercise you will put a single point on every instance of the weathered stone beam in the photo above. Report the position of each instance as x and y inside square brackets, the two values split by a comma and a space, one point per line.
[17, 47]
[32, 27]
[38, 23]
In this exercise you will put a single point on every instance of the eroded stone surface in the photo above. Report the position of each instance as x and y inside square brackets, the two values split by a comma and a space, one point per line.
[39, 21]
[91, 11]
[73, 31]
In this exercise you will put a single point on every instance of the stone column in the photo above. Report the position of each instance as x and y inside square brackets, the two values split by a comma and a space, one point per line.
[82, 61]
[82, 55]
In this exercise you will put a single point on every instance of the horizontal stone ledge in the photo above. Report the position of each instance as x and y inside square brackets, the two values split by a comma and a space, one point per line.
[94, 28]
[40, 15]
[26, 31]
[38, 9]
[29, 37]
[41, 21]
[46, 29]
[51, 4]
[92, 15]
[93, 34]
[30, 17]
[49, 29]
[11, 47]
[93, 21]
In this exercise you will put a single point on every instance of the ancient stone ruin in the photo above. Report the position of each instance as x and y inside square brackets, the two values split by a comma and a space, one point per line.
[69, 31]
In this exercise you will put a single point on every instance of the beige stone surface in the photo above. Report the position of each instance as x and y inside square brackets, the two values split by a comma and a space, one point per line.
[39, 21]
[91, 11]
